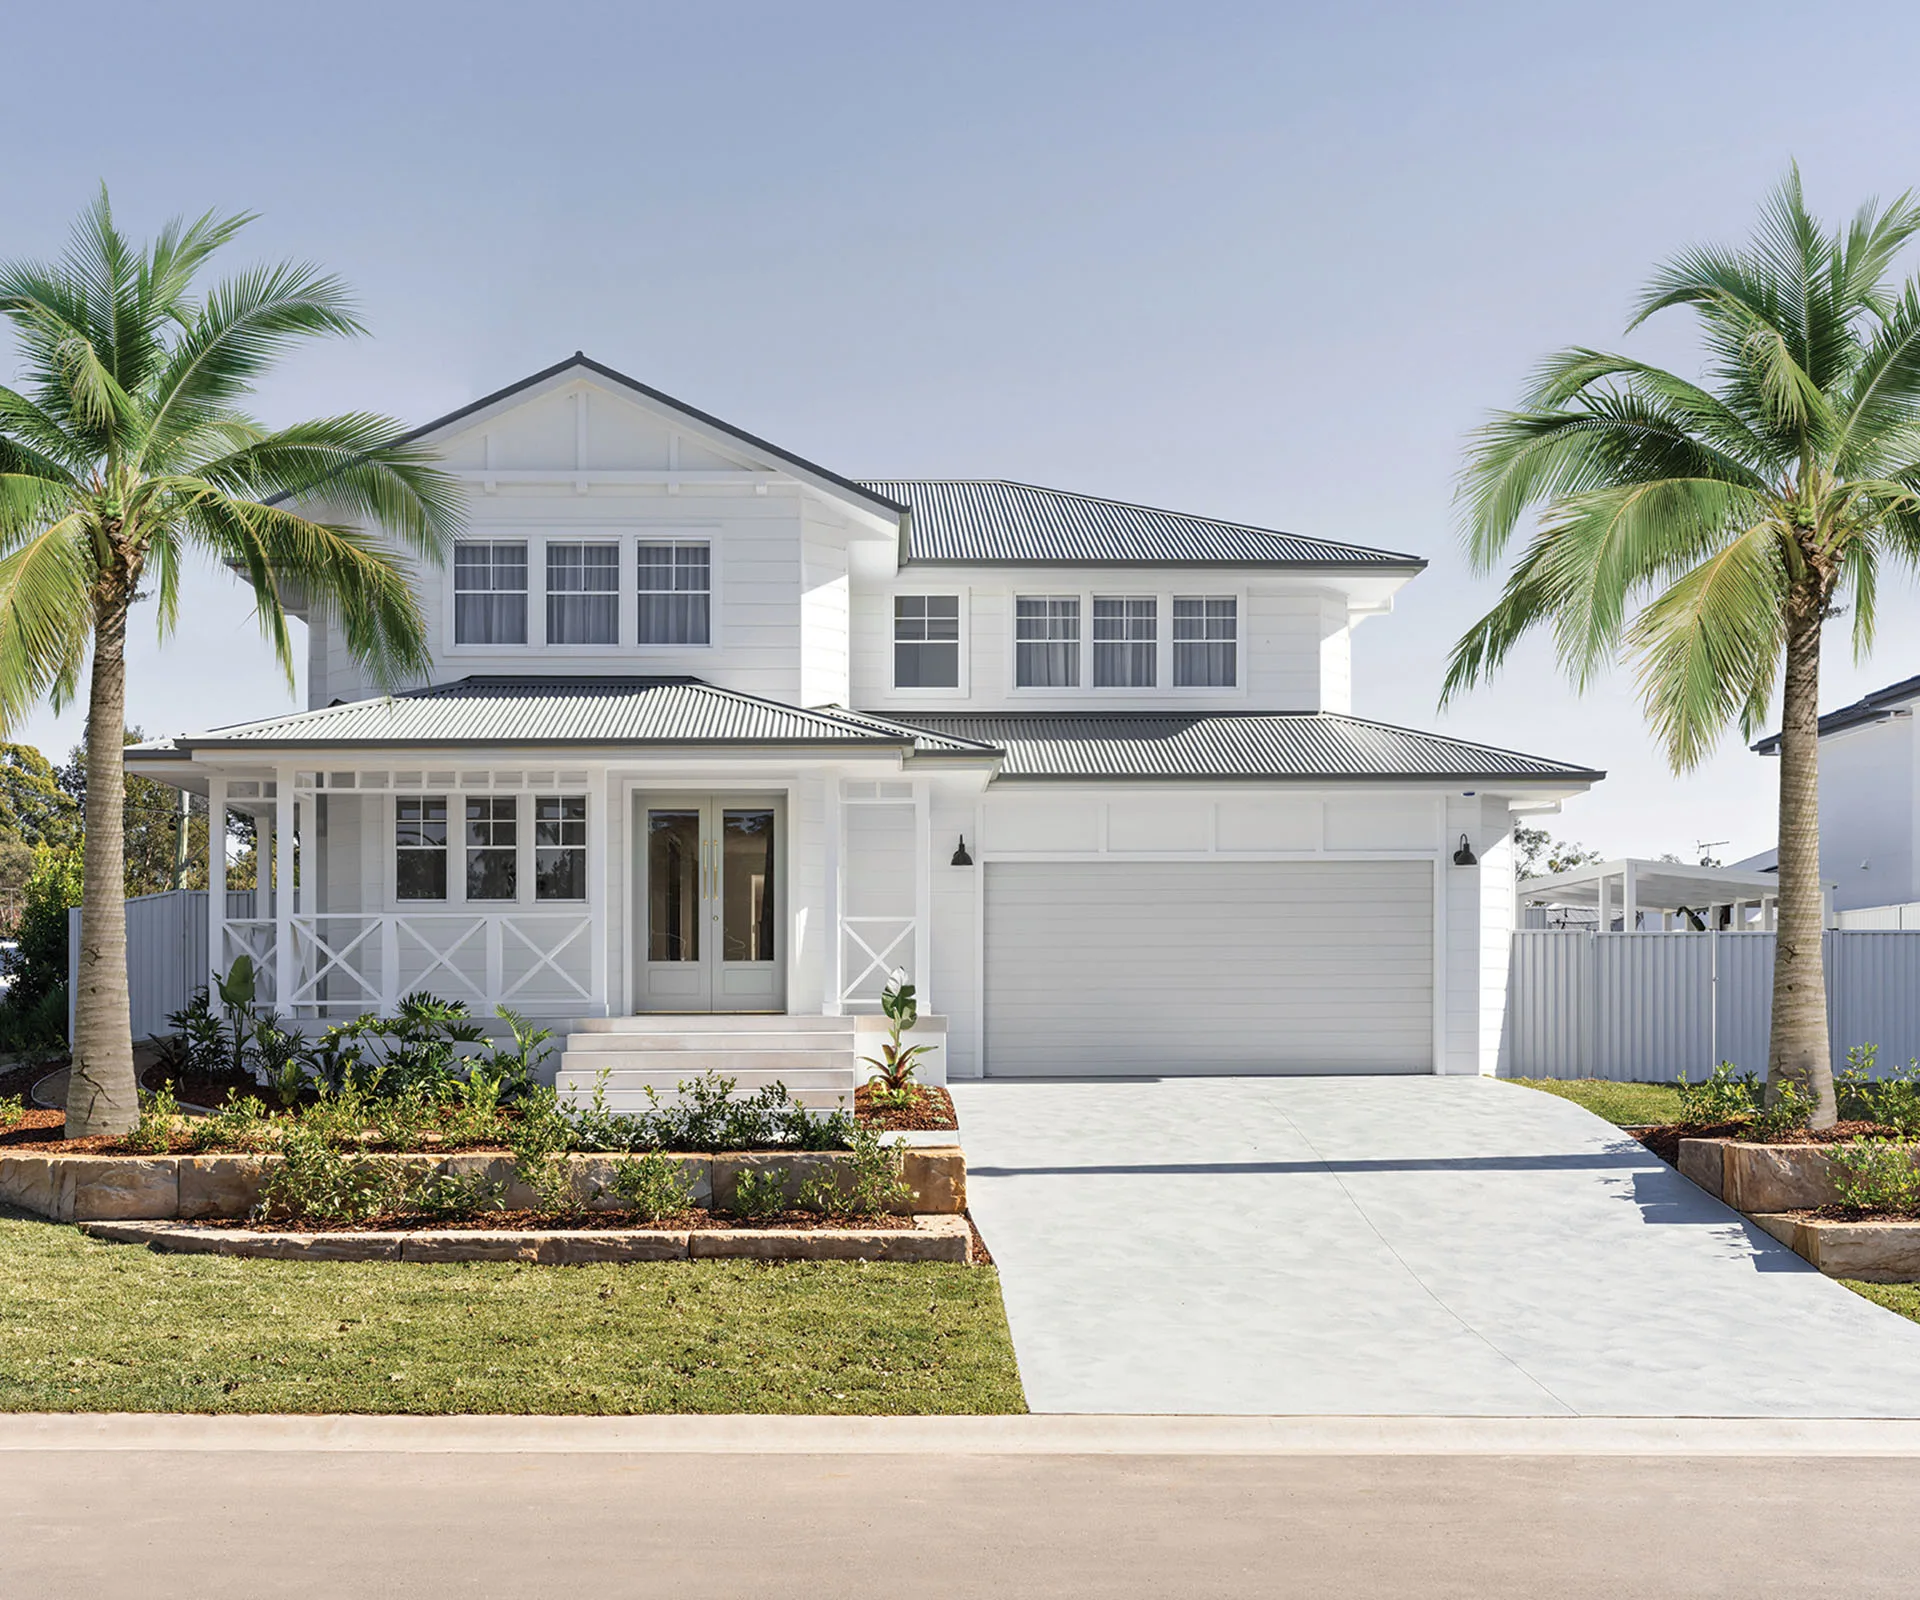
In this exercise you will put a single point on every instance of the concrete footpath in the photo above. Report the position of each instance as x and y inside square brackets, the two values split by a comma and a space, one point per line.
[244, 1508]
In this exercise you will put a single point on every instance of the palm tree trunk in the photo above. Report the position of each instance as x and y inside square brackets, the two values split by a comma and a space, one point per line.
[102, 1094]
[1800, 1052]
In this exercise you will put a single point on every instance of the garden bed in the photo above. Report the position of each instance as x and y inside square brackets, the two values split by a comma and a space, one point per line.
[931, 1111]
[911, 1239]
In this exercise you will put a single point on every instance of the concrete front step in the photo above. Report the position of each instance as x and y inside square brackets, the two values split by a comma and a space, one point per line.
[574, 1075]
[691, 1063]
[714, 1042]
[721, 1022]
[633, 1101]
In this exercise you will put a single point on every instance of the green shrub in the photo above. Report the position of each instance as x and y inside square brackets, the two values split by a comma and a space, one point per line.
[758, 1195]
[537, 1137]
[313, 1181]
[1877, 1175]
[1724, 1095]
[1791, 1107]
[13, 1111]
[1893, 1101]
[279, 1055]
[448, 1196]
[652, 1186]
[872, 1177]
[242, 1124]
[33, 1014]
[159, 1115]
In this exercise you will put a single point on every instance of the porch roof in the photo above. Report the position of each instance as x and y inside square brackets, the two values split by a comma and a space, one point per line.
[1243, 744]
[522, 711]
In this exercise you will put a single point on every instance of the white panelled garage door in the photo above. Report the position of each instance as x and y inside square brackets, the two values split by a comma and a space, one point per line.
[1100, 968]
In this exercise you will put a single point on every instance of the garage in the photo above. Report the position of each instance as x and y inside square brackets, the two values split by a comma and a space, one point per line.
[1104, 968]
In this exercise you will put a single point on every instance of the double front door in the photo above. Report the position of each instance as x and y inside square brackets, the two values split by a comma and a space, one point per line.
[710, 894]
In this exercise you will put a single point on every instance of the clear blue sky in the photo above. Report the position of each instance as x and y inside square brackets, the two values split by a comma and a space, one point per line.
[1264, 262]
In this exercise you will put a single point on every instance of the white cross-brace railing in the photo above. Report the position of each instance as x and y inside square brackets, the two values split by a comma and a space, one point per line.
[879, 949]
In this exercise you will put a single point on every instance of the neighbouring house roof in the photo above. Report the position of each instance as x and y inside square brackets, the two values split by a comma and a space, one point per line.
[565, 711]
[1245, 744]
[992, 522]
[1876, 707]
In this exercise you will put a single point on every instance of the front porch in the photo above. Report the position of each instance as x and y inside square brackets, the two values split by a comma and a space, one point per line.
[599, 891]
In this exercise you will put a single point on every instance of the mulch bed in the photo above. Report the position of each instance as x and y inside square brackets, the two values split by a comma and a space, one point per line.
[980, 1254]
[931, 1111]
[696, 1221]
[1664, 1140]
[1837, 1213]
[210, 1089]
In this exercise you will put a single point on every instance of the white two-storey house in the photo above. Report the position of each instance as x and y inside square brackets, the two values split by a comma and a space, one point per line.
[716, 739]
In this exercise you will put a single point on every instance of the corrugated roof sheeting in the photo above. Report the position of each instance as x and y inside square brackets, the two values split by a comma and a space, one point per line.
[1238, 745]
[991, 521]
[571, 711]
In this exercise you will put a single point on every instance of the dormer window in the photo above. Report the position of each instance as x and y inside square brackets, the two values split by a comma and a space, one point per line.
[1206, 638]
[490, 591]
[926, 641]
[676, 592]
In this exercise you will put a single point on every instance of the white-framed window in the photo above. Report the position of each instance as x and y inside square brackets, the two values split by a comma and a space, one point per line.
[420, 847]
[560, 847]
[1126, 641]
[583, 592]
[1046, 641]
[926, 641]
[493, 846]
[676, 591]
[490, 591]
[1206, 634]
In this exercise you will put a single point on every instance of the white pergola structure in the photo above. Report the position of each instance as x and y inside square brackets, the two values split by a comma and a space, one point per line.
[1657, 896]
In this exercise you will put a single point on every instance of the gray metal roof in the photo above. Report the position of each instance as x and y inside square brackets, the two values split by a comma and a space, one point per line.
[992, 522]
[566, 711]
[1247, 744]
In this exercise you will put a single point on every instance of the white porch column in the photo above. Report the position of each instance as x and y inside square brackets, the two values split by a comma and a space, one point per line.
[283, 832]
[1603, 899]
[834, 835]
[216, 874]
[923, 895]
[1629, 901]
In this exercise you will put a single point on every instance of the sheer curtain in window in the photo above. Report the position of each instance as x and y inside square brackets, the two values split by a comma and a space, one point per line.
[1046, 634]
[676, 584]
[1125, 638]
[1204, 640]
[490, 592]
[583, 594]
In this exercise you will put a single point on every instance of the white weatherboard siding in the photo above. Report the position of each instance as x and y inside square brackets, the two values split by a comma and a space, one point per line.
[1166, 967]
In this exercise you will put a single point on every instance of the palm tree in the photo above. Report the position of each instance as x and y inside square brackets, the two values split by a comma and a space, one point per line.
[124, 453]
[1708, 530]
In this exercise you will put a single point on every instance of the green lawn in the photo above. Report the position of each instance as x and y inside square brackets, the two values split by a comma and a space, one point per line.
[1625, 1104]
[1901, 1297]
[87, 1326]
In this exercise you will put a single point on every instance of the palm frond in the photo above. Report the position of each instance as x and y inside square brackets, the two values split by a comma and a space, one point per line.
[46, 616]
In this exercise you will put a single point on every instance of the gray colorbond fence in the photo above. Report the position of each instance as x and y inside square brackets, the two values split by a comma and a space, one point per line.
[1653, 1005]
[166, 953]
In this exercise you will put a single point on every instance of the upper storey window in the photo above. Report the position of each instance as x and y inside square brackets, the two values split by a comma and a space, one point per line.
[490, 591]
[1206, 636]
[1046, 641]
[926, 641]
[676, 593]
[1126, 641]
[583, 593]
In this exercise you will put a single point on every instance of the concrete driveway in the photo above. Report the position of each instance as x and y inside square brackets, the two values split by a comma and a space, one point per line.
[1392, 1246]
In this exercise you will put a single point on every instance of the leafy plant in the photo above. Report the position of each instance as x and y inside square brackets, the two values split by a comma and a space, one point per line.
[13, 1111]
[760, 1194]
[538, 1136]
[201, 1040]
[894, 1066]
[238, 990]
[651, 1186]
[1877, 1175]
[872, 1181]
[153, 1133]
[312, 1180]
[1724, 1095]
[279, 1055]
[448, 1195]
[241, 1124]
[516, 1070]
[1791, 1106]
[1893, 1101]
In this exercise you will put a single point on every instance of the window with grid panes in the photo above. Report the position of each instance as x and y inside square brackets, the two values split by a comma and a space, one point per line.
[490, 591]
[1205, 641]
[926, 641]
[493, 847]
[676, 593]
[420, 847]
[1125, 639]
[560, 847]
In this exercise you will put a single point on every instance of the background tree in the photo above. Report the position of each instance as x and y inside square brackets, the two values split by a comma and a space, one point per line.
[1537, 854]
[1708, 530]
[124, 454]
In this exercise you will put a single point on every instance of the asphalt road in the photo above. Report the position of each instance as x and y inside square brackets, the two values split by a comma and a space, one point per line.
[80, 1523]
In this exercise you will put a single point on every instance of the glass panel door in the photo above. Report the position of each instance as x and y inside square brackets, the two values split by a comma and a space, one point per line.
[709, 899]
